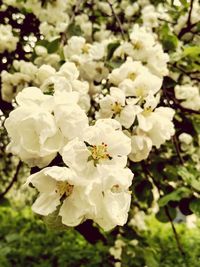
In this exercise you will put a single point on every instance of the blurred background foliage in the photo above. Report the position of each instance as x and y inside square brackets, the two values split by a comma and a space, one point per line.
[26, 241]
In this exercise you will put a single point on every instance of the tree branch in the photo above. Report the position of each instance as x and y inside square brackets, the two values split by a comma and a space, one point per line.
[117, 20]
[175, 233]
[77, 6]
[14, 179]
[189, 25]
[179, 246]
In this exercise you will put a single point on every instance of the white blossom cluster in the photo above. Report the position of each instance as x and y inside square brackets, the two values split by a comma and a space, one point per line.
[94, 182]
[188, 95]
[96, 118]
[8, 40]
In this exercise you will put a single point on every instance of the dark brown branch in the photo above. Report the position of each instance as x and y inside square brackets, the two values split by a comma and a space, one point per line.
[175, 233]
[64, 34]
[189, 25]
[177, 104]
[179, 246]
[176, 145]
[190, 13]
[185, 72]
[117, 20]
[14, 179]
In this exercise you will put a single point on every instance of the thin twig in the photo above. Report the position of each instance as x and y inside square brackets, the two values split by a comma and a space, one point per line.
[190, 13]
[179, 246]
[117, 19]
[176, 145]
[189, 25]
[175, 232]
[185, 72]
[14, 179]
[63, 36]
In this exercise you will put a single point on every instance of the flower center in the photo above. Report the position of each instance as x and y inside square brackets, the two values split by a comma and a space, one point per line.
[132, 76]
[64, 188]
[117, 108]
[98, 153]
[138, 45]
[86, 48]
[147, 111]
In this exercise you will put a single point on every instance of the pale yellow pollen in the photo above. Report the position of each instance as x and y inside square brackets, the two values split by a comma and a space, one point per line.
[99, 152]
[147, 111]
[140, 92]
[132, 76]
[117, 108]
[137, 45]
[86, 48]
[64, 188]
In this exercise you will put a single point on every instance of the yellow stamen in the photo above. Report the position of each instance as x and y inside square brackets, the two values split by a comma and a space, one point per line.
[117, 108]
[64, 188]
[99, 152]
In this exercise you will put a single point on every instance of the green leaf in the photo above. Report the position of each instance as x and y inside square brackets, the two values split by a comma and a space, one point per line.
[12, 237]
[114, 64]
[190, 176]
[191, 51]
[174, 196]
[196, 123]
[111, 49]
[185, 174]
[184, 2]
[195, 206]
[150, 258]
[54, 221]
[53, 46]
[168, 39]
[74, 29]
[162, 214]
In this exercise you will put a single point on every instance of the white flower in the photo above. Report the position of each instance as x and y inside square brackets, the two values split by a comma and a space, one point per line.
[157, 61]
[44, 72]
[186, 91]
[97, 51]
[8, 40]
[69, 71]
[34, 135]
[150, 16]
[56, 83]
[40, 50]
[56, 183]
[185, 138]
[33, 96]
[112, 196]
[101, 144]
[69, 116]
[128, 70]
[190, 95]
[144, 83]
[74, 46]
[12, 84]
[115, 106]
[157, 125]
[141, 146]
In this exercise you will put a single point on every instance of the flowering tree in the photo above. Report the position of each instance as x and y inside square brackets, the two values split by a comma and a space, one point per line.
[101, 100]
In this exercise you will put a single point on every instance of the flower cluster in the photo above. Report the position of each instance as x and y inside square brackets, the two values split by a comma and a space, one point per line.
[88, 106]
[93, 181]
[8, 40]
